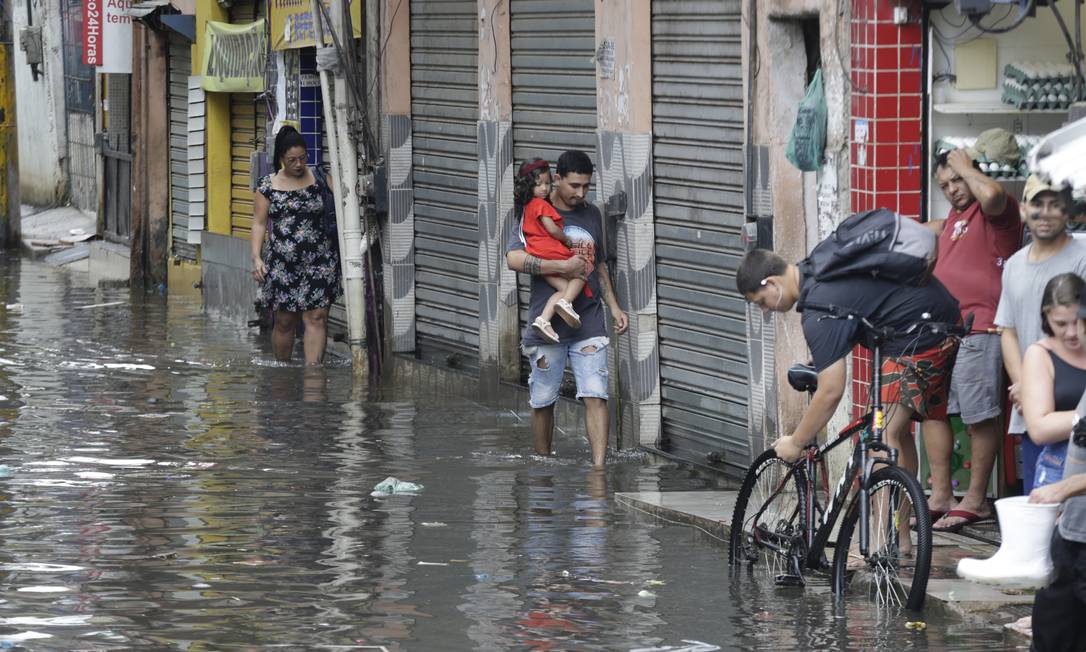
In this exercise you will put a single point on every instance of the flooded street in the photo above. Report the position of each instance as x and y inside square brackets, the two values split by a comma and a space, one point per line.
[166, 486]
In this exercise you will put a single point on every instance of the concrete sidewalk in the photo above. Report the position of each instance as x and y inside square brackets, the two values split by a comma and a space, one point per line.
[64, 236]
[711, 511]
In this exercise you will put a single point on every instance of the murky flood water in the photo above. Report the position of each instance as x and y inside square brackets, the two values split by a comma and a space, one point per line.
[166, 486]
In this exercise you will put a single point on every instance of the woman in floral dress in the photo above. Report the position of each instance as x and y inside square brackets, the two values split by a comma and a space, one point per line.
[299, 275]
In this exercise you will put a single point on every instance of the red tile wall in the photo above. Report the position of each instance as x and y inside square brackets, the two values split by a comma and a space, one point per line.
[886, 99]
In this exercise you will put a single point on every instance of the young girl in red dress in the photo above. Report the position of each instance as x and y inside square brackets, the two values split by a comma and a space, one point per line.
[541, 231]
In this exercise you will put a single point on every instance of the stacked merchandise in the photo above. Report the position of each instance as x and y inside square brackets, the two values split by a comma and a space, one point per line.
[1039, 85]
[997, 164]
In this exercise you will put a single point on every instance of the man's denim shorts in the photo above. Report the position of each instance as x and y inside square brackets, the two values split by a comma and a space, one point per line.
[588, 359]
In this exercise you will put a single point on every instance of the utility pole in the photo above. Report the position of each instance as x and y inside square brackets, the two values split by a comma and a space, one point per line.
[10, 215]
[344, 155]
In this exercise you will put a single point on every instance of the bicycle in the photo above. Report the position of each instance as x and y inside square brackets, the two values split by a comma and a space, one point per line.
[791, 528]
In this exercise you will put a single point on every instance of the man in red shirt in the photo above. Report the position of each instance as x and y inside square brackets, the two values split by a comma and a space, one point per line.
[981, 232]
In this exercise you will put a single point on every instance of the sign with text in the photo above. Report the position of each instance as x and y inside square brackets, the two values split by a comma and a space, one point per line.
[107, 35]
[292, 24]
[234, 57]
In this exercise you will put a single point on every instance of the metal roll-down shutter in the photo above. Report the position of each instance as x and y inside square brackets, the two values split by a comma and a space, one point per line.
[248, 120]
[444, 117]
[554, 89]
[180, 67]
[698, 188]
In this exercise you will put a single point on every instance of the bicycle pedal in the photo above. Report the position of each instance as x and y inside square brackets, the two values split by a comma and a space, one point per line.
[790, 580]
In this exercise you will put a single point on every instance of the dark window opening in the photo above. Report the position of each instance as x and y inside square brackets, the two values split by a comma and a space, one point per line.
[812, 44]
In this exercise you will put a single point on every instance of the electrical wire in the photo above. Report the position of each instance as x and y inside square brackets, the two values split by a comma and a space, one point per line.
[1024, 11]
[350, 77]
[942, 40]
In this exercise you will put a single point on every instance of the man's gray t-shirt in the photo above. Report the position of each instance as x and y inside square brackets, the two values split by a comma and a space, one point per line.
[1073, 520]
[584, 226]
[1020, 301]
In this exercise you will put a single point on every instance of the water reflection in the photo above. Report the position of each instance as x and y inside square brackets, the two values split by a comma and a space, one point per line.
[167, 487]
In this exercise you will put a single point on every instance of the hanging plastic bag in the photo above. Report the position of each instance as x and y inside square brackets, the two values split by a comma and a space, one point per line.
[808, 139]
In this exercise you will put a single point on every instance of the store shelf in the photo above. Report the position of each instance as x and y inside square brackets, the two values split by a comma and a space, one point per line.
[966, 107]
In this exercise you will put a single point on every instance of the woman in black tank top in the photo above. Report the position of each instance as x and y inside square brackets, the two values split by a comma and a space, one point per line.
[1054, 377]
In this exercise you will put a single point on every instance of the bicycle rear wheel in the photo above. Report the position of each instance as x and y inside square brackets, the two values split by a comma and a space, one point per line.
[895, 571]
[769, 516]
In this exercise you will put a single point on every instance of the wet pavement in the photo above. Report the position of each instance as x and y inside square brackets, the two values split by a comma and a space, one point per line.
[166, 486]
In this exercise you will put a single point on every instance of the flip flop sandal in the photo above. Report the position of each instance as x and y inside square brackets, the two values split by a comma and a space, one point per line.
[545, 330]
[968, 518]
[565, 310]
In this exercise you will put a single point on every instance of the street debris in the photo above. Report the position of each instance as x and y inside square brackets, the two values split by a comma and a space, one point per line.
[101, 305]
[917, 625]
[394, 486]
[434, 524]
[691, 646]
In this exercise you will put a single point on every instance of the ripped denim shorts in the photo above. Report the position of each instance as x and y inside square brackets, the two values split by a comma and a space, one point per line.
[587, 358]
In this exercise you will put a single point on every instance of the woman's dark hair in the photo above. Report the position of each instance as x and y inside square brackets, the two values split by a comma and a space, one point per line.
[1062, 290]
[527, 176]
[287, 139]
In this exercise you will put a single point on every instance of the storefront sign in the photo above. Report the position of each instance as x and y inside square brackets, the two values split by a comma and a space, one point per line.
[234, 57]
[107, 35]
[292, 23]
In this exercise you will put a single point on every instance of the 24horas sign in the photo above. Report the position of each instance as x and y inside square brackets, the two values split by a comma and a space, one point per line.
[107, 35]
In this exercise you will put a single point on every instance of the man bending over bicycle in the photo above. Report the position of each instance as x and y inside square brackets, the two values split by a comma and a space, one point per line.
[915, 368]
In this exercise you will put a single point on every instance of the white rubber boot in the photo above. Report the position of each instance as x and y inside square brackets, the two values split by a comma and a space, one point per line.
[1023, 560]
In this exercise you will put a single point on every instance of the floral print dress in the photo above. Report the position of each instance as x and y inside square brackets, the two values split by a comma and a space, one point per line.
[303, 265]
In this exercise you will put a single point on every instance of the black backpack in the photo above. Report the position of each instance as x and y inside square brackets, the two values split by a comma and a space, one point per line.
[329, 222]
[877, 243]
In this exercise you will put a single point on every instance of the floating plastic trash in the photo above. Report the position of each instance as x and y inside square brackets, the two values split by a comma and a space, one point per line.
[390, 486]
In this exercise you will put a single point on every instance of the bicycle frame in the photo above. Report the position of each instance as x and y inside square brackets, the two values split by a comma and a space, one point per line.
[860, 465]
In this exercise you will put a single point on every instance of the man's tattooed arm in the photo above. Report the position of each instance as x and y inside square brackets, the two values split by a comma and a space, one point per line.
[532, 265]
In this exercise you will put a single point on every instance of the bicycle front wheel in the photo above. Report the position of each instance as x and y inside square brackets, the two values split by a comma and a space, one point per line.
[895, 570]
[769, 516]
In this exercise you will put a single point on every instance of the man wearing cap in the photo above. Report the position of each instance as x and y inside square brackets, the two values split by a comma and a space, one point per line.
[1052, 251]
[1058, 608]
[981, 232]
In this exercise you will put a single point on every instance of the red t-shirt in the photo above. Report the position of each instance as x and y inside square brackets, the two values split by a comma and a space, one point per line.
[972, 251]
[537, 241]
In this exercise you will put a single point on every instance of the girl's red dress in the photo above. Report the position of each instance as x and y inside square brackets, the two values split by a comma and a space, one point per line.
[537, 241]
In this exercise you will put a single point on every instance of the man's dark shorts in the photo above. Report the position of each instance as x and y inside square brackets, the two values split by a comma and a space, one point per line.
[1058, 609]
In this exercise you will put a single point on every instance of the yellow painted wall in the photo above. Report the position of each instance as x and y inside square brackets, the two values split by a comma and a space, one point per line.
[218, 129]
[181, 277]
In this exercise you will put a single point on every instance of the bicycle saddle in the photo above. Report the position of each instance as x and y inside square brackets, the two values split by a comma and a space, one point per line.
[803, 377]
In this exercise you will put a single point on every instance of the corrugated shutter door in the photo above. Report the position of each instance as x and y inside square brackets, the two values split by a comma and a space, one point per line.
[248, 117]
[180, 67]
[444, 116]
[554, 77]
[698, 188]
[554, 89]
[247, 120]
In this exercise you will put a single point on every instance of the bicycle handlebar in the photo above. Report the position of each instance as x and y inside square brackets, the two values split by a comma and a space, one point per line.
[884, 333]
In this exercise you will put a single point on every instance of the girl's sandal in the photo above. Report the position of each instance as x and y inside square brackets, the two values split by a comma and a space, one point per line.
[545, 330]
[565, 310]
